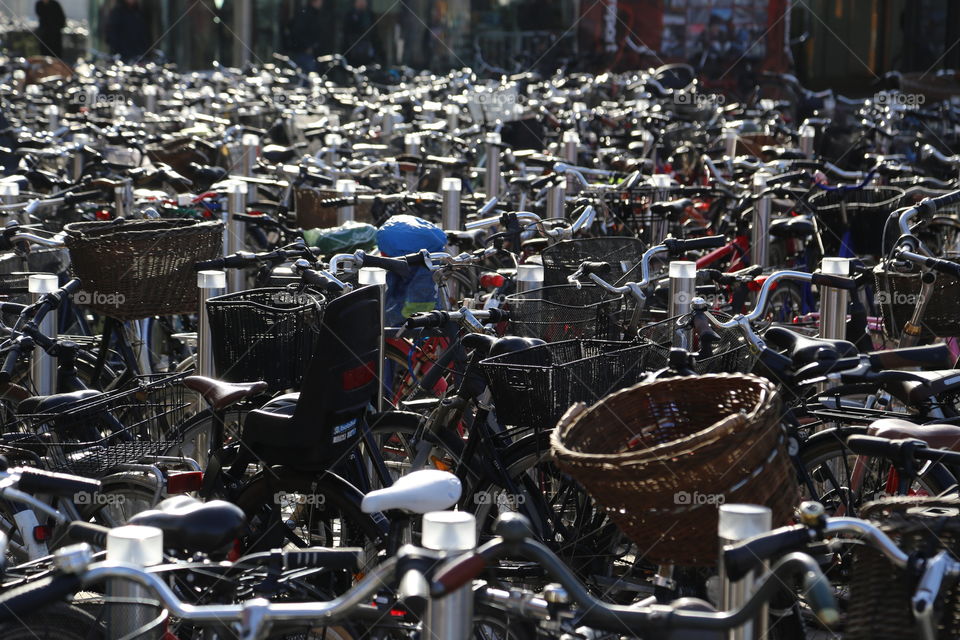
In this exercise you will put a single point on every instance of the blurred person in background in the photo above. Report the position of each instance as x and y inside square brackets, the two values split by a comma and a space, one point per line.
[52, 21]
[311, 34]
[127, 34]
[360, 44]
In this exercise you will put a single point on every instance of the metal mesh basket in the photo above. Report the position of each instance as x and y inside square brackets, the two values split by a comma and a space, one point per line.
[880, 593]
[129, 426]
[265, 334]
[564, 258]
[862, 212]
[897, 296]
[533, 387]
[732, 354]
[564, 312]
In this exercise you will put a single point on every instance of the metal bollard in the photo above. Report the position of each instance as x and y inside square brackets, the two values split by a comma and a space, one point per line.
[683, 286]
[133, 606]
[807, 135]
[571, 146]
[211, 284]
[249, 144]
[646, 138]
[529, 277]
[52, 112]
[556, 199]
[760, 230]
[346, 188]
[739, 522]
[10, 194]
[451, 532]
[833, 302]
[387, 123]
[411, 143]
[79, 140]
[450, 190]
[43, 367]
[730, 143]
[333, 142]
[234, 230]
[122, 198]
[150, 98]
[492, 184]
[452, 113]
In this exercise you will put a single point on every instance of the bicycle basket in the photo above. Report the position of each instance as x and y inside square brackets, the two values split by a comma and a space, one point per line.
[564, 258]
[879, 606]
[265, 334]
[732, 354]
[564, 312]
[101, 432]
[311, 214]
[897, 296]
[862, 212]
[141, 268]
[661, 457]
[532, 388]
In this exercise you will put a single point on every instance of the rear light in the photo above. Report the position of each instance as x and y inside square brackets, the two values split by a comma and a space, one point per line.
[492, 281]
[102, 214]
[184, 481]
[42, 533]
[358, 376]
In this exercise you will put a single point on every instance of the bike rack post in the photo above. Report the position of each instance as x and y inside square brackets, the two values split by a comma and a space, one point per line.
[556, 198]
[249, 145]
[529, 276]
[333, 142]
[450, 190]
[807, 136]
[411, 144]
[122, 198]
[571, 146]
[211, 283]
[833, 302]
[683, 286]
[647, 139]
[658, 225]
[739, 522]
[150, 98]
[387, 122]
[52, 112]
[234, 230]
[760, 230]
[132, 606]
[450, 532]
[730, 143]
[452, 112]
[10, 194]
[44, 366]
[79, 140]
[492, 142]
[346, 188]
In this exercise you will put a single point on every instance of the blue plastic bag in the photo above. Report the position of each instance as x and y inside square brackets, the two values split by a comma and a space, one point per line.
[399, 236]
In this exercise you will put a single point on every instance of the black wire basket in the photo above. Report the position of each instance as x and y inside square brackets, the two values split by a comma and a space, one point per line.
[532, 388]
[565, 312]
[265, 334]
[98, 434]
[898, 294]
[731, 354]
[863, 212]
[564, 258]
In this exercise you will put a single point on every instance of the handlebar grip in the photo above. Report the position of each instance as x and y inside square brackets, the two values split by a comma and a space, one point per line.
[10, 362]
[875, 447]
[709, 242]
[319, 280]
[209, 265]
[347, 559]
[426, 320]
[72, 286]
[742, 558]
[57, 484]
[599, 268]
[415, 260]
[936, 356]
[837, 282]
[30, 597]
[931, 205]
[398, 266]
[944, 266]
[460, 572]
[497, 315]
[93, 534]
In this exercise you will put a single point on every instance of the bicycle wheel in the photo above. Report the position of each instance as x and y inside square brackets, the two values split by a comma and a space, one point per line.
[843, 481]
[193, 437]
[56, 622]
[397, 436]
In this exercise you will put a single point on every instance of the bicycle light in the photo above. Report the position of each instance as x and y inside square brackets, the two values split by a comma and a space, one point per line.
[184, 482]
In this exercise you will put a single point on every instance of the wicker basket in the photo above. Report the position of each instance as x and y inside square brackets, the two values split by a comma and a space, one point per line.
[141, 268]
[533, 387]
[564, 258]
[661, 457]
[862, 212]
[880, 593]
[565, 312]
[897, 296]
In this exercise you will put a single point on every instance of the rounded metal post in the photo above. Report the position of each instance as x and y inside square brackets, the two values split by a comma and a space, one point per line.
[529, 277]
[658, 226]
[150, 98]
[79, 140]
[833, 302]
[133, 605]
[571, 146]
[738, 522]
[450, 191]
[556, 199]
[730, 143]
[250, 144]
[411, 143]
[760, 230]
[333, 142]
[347, 188]
[388, 120]
[211, 284]
[234, 230]
[10, 194]
[452, 533]
[683, 286]
[492, 185]
[452, 113]
[52, 112]
[44, 366]
[807, 135]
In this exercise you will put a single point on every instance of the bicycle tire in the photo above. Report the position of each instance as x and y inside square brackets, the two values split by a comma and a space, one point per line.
[57, 621]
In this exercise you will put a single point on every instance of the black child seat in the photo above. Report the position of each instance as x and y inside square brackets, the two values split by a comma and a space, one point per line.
[318, 426]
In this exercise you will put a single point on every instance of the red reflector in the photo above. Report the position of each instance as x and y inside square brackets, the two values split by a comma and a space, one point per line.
[184, 481]
[358, 376]
[42, 533]
[492, 280]
[102, 214]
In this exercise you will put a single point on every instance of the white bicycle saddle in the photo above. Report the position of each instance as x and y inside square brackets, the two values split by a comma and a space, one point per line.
[419, 492]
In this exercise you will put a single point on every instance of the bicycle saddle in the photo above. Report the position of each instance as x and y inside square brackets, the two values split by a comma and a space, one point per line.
[446, 161]
[792, 227]
[219, 394]
[466, 240]
[274, 153]
[673, 209]
[937, 436]
[915, 392]
[43, 404]
[190, 524]
[419, 492]
[803, 350]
